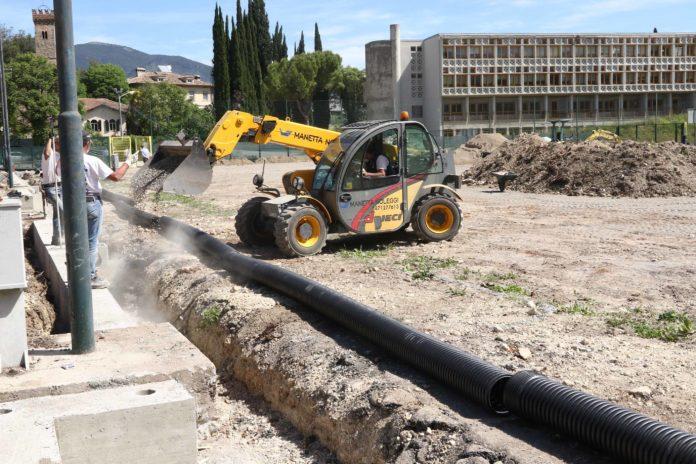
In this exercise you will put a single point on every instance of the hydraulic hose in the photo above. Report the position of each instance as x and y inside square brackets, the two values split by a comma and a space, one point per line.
[627, 435]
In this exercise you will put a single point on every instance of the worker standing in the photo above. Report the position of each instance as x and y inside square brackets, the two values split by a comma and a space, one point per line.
[95, 171]
[50, 184]
[145, 153]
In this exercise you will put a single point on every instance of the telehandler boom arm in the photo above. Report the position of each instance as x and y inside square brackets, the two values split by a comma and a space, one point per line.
[266, 129]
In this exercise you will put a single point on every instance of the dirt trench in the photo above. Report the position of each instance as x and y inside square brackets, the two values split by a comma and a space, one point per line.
[331, 386]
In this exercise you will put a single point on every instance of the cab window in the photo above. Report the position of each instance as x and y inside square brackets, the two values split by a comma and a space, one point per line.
[419, 150]
[375, 163]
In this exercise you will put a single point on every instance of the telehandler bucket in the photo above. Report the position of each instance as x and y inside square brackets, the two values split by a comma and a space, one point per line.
[194, 174]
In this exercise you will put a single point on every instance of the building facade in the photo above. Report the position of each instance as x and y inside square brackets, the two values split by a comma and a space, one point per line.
[45, 33]
[103, 116]
[461, 84]
[200, 92]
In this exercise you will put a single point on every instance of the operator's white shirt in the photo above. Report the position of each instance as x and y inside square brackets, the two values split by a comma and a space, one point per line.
[95, 169]
[145, 153]
[382, 162]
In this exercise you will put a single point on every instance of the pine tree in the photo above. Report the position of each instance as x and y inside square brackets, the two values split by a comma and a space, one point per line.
[301, 47]
[221, 78]
[294, 48]
[317, 38]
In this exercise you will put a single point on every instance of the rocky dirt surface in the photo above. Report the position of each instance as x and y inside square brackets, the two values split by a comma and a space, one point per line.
[595, 292]
[40, 312]
[330, 386]
[625, 169]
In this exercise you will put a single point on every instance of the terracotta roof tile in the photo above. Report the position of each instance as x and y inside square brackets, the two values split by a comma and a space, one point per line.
[91, 103]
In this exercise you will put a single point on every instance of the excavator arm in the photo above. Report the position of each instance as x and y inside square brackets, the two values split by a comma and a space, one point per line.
[194, 174]
[266, 129]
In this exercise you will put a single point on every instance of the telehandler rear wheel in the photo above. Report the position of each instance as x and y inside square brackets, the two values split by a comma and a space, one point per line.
[436, 217]
[252, 228]
[300, 231]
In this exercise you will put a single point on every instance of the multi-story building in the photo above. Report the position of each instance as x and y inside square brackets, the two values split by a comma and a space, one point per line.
[460, 84]
[45, 33]
[200, 92]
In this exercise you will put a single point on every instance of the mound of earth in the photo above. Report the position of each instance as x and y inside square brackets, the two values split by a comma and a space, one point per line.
[631, 169]
[486, 142]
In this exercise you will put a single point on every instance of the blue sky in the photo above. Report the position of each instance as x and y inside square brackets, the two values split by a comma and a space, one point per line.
[182, 27]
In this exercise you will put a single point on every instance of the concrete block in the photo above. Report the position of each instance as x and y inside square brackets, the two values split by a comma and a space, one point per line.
[13, 331]
[12, 273]
[129, 356]
[151, 423]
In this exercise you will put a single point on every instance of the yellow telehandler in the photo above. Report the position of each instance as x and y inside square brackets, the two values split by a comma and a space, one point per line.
[341, 194]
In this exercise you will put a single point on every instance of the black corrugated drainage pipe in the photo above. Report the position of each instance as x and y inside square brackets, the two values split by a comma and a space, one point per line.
[475, 378]
[597, 422]
[627, 435]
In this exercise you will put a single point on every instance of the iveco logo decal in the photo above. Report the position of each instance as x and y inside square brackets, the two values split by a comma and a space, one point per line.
[285, 133]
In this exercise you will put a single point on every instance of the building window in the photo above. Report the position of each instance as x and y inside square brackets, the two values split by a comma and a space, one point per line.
[96, 125]
[417, 111]
[206, 96]
[44, 34]
[191, 94]
[112, 125]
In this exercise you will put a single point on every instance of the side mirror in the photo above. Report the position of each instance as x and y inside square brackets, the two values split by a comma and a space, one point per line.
[298, 184]
[257, 180]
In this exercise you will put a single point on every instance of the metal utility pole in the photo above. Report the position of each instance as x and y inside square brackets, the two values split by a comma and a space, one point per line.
[73, 178]
[5, 119]
[120, 93]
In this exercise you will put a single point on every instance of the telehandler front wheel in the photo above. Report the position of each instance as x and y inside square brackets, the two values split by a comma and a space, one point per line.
[436, 217]
[252, 228]
[300, 231]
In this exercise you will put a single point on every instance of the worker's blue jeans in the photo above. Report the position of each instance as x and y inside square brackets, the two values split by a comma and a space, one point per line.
[94, 222]
[52, 193]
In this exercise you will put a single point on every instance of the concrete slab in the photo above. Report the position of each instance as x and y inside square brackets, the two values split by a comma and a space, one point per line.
[107, 312]
[150, 423]
[129, 356]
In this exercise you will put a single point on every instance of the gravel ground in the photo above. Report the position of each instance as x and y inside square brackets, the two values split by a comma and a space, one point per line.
[570, 286]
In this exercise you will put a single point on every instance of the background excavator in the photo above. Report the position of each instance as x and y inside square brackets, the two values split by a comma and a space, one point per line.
[419, 187]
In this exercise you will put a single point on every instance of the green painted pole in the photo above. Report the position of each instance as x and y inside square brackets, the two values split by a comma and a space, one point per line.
[5, 120]
[73, 179]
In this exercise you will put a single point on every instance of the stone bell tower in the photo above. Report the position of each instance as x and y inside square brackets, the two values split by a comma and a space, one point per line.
[45, 33]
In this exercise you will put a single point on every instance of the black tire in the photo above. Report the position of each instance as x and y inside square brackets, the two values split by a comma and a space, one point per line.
[252, 228]
[436, 217]
[300, 231]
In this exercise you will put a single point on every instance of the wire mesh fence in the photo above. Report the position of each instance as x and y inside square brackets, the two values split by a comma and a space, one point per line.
[335, 113]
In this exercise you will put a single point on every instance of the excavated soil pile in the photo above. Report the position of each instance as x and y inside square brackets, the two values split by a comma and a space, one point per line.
[471, 151]
[486, 142]
[626, 169]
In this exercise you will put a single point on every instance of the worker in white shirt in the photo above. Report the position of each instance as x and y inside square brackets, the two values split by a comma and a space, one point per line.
[96, 170]
[50, 184]
[145, 153]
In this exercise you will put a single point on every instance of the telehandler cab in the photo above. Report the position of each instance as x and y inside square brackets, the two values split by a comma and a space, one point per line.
[337, 196]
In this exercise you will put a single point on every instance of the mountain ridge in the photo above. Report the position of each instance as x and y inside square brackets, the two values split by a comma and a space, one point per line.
[129, 58]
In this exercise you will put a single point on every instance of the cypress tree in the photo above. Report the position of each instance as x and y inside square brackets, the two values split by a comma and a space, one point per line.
[257, 10]
[283, 48]
[221, 78]
[294, 48]
[301, 47]
[317, 38]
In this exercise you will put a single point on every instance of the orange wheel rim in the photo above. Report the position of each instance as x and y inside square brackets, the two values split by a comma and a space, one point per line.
[307, 231]
[439, 219]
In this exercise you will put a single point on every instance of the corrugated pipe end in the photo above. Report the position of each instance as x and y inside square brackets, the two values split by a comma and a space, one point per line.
[624, 433]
